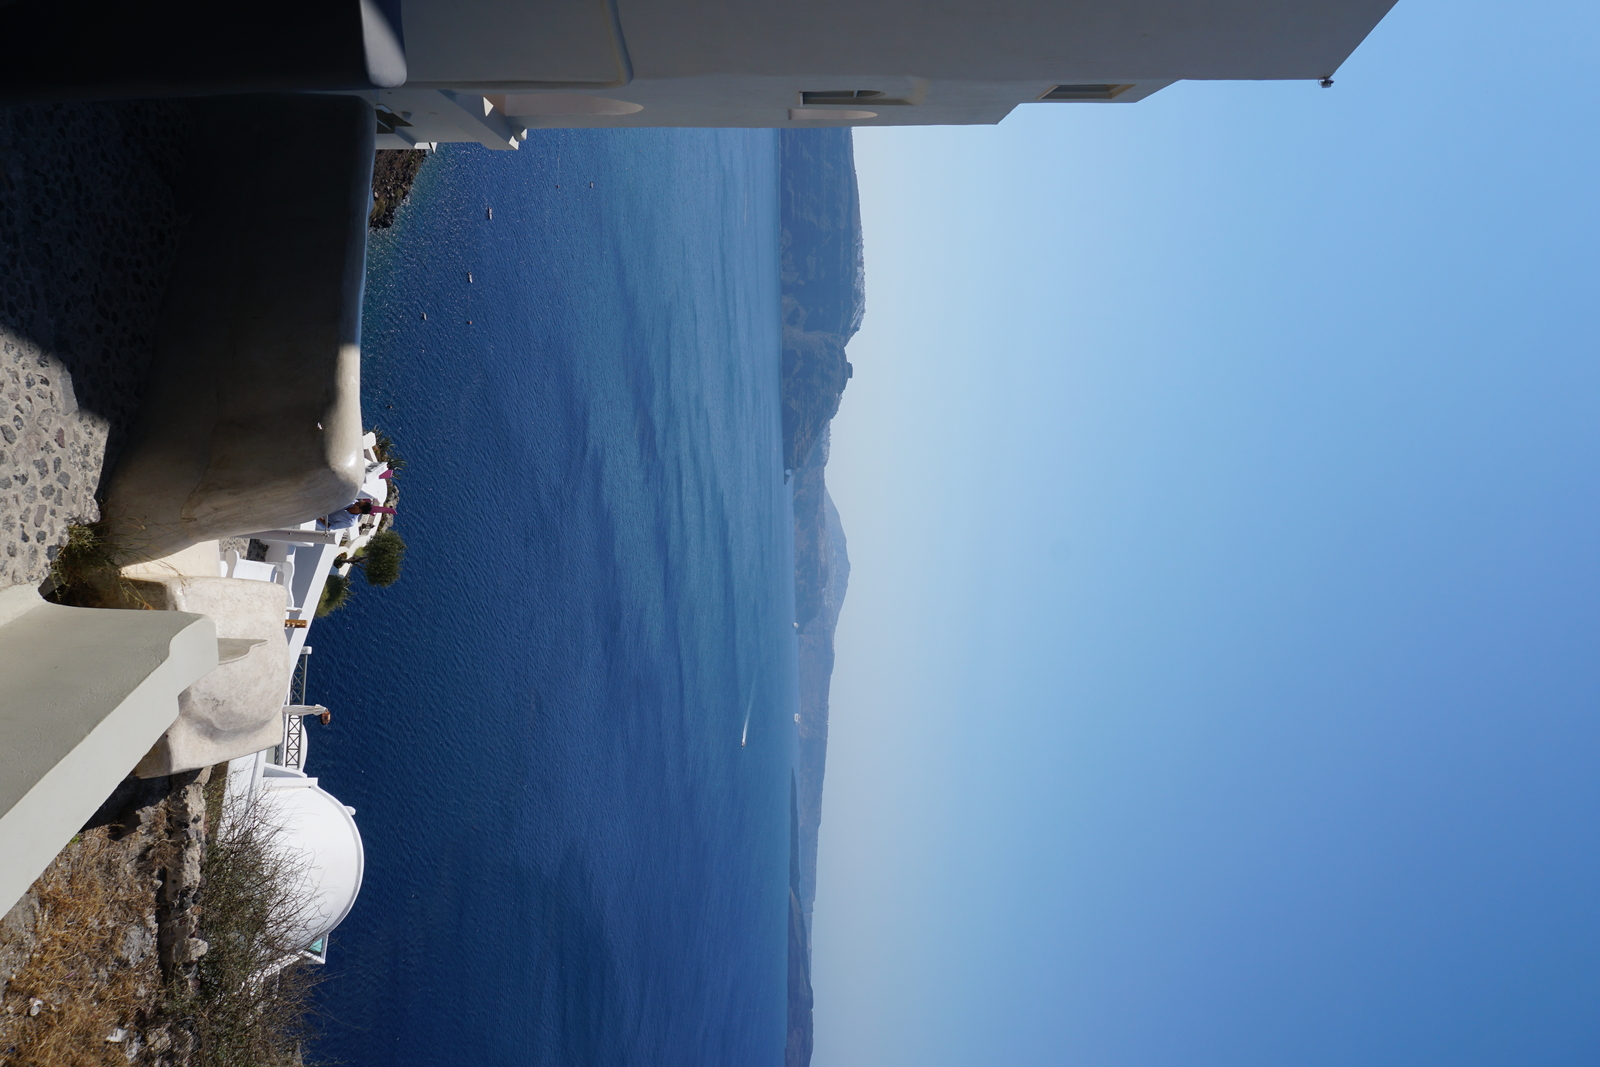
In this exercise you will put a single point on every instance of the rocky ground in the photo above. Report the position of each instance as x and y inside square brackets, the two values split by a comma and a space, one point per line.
[89, 219]
[393, 172]
[90, 957]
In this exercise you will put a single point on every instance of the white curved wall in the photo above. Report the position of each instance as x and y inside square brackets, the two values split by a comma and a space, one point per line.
[319, 833]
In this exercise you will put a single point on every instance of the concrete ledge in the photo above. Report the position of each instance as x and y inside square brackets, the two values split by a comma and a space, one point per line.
[237, 709]
[251, 417]
[84, 692]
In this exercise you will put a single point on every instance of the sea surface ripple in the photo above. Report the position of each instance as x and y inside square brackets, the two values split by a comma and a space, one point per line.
[570, 859]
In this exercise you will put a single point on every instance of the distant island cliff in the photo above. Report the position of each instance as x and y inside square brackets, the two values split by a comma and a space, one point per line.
[823, 303]
[822, 281]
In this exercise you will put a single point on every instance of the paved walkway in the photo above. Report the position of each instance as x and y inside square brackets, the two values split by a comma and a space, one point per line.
[89, 219]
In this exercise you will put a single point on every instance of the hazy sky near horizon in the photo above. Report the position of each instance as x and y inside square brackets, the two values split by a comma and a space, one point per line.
[1218, 680]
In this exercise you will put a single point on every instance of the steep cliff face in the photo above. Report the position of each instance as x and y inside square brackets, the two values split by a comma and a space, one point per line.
[822, 278]
[822, 575]
[822, 309]
[394, 170]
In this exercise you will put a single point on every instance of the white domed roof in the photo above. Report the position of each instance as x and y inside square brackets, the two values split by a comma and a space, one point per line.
[319, 835]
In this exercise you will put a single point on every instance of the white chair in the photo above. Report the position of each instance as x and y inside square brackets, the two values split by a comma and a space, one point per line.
[252, 569]
[286, 579]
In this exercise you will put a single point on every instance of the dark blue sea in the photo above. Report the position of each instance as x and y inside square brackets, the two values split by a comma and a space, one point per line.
[570, 858]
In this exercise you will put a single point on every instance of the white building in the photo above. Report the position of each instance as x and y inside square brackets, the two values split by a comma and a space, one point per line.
[485, 70]
[315, 837]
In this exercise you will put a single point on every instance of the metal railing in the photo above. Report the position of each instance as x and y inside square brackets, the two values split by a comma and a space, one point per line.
[291, 751]
[297, 680]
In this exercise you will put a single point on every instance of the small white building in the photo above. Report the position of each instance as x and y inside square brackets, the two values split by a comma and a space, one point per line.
[314, 835]
[486, 70]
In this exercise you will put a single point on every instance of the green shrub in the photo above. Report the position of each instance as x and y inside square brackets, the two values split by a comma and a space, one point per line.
[336, 592]
[380, 562]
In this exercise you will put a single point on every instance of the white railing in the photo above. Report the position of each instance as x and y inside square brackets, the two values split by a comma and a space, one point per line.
[291, 751]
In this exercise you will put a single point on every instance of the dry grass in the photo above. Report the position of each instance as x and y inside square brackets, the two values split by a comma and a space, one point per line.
[87, 573]
[94, 968]
[252, 997]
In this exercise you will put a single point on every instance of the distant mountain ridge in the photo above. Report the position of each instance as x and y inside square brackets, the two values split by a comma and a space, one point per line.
[823, 302]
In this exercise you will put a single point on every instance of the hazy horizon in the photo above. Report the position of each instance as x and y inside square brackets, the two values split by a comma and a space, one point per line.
[1217, 680]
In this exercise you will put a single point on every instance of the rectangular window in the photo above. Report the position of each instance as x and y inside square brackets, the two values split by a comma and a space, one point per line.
[839, 96]
[1086, 92]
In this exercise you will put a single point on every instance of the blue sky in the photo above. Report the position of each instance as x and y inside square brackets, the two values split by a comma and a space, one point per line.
[1218, 681]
